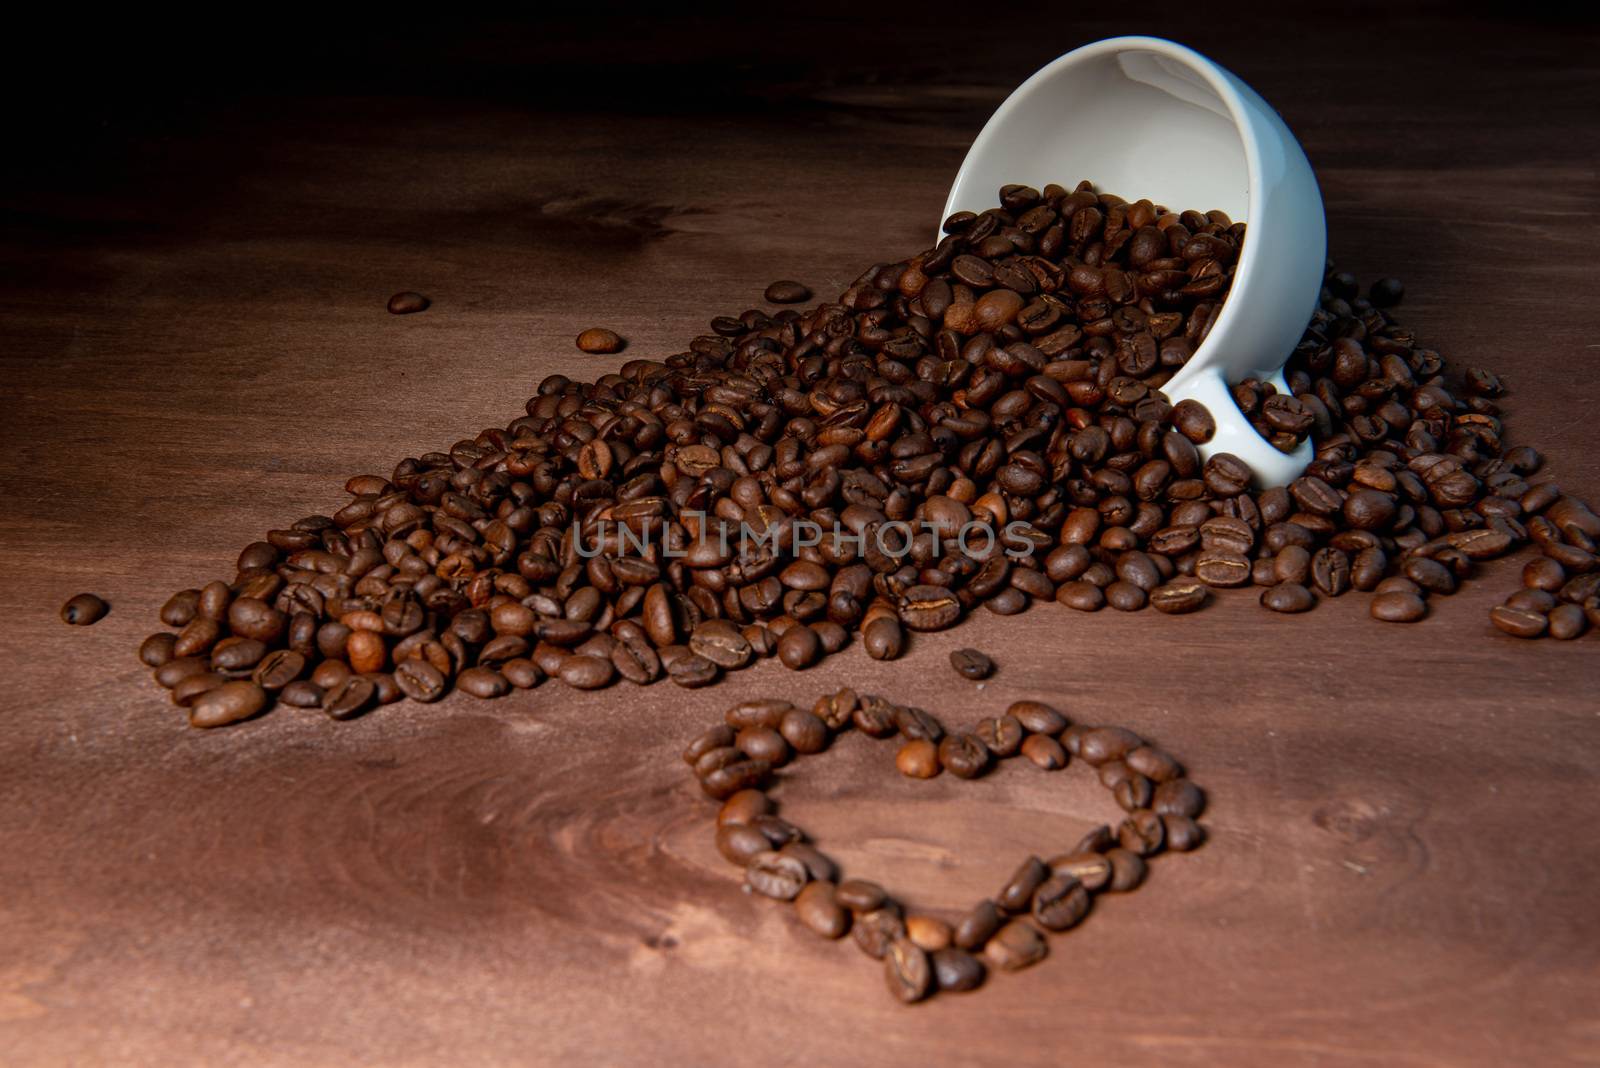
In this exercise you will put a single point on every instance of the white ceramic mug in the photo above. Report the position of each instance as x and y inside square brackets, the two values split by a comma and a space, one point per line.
[1145, 117]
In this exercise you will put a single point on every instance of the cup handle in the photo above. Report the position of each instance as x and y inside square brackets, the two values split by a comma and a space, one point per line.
[1235, 434]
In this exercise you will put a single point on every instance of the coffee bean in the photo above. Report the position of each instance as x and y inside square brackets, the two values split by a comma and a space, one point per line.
[84, 609]
[1127, 869]
[1081, 595]
[1398, 607]
[1060, 902]
[1001, 735]
[1519, 622]
[763, 743]
[519, 671]
[1014, 947]
[883, 638]
[1567, 621]
[744, 806]
[1179, 597]
[487, 683]
[818, 907]
[956, 970]
[1092, 870]
[407, 303]
[278, 669]
[581, 672]
[859, 895]
[915, 723]
[156, 650]
[1037, 717]
[227, 703]
[918, 759]
[804, 730]
[1044, 752]
[728, 780]
[1182, 833]
[1222, 568]
[180, 608]
[1179, 797]
[786, 292]
[799, 647]
[721, 642]
[963, 755]
[301, 693]
[908, 970]
[1102, 744]
[875, 931]
[1288, 597]
[979, 925]
[690, 672]
[1155, 764]
[928, 608]
[1018, 890]
[971, 664]
[774, 875]
[599, 340]
[1142, 833]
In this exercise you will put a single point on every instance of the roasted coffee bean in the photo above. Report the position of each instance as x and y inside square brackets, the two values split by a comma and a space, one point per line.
[971, 664]
[407, 303]
[1142, 833]
[1081, 595]
[598, 339]
[519, 671]
[875, 718]
[1037, 717]
[1096, 841]
[1288, 597]
[804, 730]
[718, 737]
[763, 743]
[227, 703]
[1398, 607]
[1001, 735]
[156, 650]
[883, 638]
[875, 931]
[799, 647]
[1567, 621]
[1519, 622]
[744, 806]
[1092, 870]
[84, 609]
[486, 682]
[818, 866]
[929, 608]
[1044, 752]
[278, 669]
[740, 843]
[1127, 869]
[1179, 597]
[192, 687]
[979, 925]
[351, 697]
[963, 755]
[786, 292]
[1154, 764]
[915, 723]
[728, 780]
[818, 907]
[1179, 797]
[690, 672]
[1182, 833]
[1102, 744]
[302, 693]
[859, 895]
[721, 642]
[918, 759]
[1060, 902]
[956, 970]
[180, 608]
[1018, 890]
[1014, 947]
[908, 970]
[774, 875]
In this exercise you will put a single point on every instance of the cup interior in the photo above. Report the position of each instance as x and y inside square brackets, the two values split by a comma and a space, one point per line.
[1138, 122]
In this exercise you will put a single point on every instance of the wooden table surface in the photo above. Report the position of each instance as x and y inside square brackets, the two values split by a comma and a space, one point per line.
[1402, 863]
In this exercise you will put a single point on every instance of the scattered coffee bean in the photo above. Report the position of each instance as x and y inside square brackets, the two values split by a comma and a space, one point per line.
[787, 293]
[971, 664]
[84, 609]
[407, 303]
[599, 340]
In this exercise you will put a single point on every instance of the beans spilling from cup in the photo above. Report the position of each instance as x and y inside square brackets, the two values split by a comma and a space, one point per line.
[980, 425]
[923, 953]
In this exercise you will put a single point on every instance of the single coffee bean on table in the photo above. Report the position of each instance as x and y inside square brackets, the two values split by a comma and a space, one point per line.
[84, 609]
[971, 664]
[407, 303]
[599, 340]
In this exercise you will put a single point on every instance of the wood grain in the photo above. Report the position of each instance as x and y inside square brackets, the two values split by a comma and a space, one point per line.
[1402, 861]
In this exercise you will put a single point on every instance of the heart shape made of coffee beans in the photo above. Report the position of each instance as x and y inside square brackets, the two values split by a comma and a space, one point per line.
[924, 954]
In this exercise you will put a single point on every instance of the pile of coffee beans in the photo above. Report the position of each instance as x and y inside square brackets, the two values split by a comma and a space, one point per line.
[796, 478]
[924, 953]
